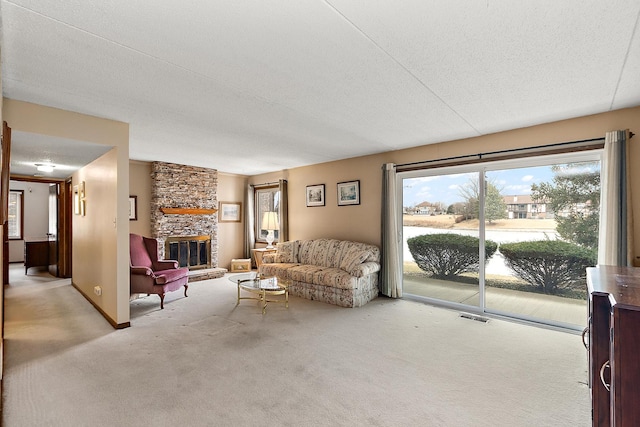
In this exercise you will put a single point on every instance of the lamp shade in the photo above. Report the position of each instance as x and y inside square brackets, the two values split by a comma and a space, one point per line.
[270, 221]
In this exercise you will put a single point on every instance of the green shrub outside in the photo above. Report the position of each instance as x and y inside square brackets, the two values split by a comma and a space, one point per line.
[550, 265]
[448, 255]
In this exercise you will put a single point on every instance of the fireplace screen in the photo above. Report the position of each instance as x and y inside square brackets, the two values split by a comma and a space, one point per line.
[190, 251]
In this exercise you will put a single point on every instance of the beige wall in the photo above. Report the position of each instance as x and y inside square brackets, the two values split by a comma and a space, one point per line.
[108, 251]
[231, 188]
[358, 222]
[94, 234]
[140, 186]
[362, 223]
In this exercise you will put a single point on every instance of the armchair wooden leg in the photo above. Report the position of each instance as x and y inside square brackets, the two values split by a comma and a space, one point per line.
[185, 290]
[161, 301]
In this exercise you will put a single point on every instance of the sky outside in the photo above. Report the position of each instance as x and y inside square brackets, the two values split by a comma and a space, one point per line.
[446, 188]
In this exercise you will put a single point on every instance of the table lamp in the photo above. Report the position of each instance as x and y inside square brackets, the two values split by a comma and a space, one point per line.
[270, 223]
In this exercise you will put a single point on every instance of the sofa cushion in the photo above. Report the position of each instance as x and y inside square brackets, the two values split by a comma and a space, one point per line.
[353, 258]
[303, 273]
[314, 252]
[336, 250]
[334, 278]
[277, 269]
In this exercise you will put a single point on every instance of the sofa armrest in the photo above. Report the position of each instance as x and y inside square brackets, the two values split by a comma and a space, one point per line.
[165, 265]
[365, 269]
[269, 258]
[144, 271]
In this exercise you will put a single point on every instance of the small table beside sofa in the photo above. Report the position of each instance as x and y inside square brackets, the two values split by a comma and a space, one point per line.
[338, 272]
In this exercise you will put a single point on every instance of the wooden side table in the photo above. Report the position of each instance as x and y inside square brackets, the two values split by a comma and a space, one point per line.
[259, 253]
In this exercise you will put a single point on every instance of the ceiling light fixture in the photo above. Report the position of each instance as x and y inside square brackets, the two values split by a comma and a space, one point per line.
[44, 167]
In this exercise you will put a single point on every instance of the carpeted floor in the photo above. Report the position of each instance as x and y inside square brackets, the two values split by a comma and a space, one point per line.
[202, 361]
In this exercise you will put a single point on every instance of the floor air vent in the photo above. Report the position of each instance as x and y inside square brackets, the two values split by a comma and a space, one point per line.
[474, 317]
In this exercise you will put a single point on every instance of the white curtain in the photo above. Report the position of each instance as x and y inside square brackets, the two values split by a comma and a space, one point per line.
[390, 274]
[615, 239]
[284, 211]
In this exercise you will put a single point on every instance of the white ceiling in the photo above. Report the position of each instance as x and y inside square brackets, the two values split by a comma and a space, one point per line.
[29, 150]
[257, 86]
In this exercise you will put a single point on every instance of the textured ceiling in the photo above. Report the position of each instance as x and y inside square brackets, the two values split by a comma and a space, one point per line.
[256, 86]
[29, 150]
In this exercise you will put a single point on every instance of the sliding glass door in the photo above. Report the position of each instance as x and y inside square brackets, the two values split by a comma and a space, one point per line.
[509, 238]
[441, 237]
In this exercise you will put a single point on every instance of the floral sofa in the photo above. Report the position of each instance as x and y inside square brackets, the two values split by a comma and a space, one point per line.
[337, 272]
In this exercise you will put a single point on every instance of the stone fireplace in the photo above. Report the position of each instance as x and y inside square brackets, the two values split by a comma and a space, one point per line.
[188, 195]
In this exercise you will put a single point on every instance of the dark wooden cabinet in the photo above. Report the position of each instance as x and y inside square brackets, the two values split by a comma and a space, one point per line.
[614, 345]
[36, 254]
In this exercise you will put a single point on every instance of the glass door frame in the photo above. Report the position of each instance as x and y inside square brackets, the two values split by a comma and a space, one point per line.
[481, 169]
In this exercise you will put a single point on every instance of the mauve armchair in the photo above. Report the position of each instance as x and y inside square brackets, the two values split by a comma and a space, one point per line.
[150, 275]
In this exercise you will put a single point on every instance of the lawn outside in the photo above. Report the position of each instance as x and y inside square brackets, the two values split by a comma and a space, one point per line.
[448, 222]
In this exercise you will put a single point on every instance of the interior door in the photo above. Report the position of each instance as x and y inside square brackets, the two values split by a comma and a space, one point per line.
[4, 199]
[53, 229]
[65, 213]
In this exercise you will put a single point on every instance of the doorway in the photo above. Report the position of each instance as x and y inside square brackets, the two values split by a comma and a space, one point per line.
[45, 242]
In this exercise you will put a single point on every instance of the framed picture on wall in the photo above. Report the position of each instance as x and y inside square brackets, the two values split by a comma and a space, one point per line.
[230, 212]
[349, 193]
[315, 195]
[133, 208]
[76, 199]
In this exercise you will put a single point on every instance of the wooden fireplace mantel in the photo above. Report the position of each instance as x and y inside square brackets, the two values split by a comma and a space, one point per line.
[188, 211]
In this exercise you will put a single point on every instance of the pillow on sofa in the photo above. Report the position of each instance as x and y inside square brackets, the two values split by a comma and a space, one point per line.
[287, 252]
[353, 258]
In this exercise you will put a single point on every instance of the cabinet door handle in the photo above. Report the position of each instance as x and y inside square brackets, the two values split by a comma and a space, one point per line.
[585, 334]
[605, 365]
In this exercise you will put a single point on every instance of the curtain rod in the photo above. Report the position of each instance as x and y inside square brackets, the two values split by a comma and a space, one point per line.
[267, 183]
[493, 155]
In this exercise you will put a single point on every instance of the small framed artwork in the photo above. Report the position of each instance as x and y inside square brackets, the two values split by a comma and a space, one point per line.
[230, 212]
[133, 208]
[349, 193]
[76, 199]
[315, 195]
[83, 199]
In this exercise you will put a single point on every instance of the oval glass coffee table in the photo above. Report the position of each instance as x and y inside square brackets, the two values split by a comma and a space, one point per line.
[262, 286]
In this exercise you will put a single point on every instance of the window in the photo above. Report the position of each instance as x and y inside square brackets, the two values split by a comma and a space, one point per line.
[267, 200]
[16, 214]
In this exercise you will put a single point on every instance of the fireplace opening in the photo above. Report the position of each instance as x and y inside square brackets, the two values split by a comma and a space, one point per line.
[190, 251]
